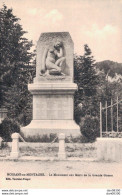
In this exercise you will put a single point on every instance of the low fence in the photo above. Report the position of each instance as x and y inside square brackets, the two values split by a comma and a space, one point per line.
[106, 149]
[111, 122]
[109, 144]
[15, 146]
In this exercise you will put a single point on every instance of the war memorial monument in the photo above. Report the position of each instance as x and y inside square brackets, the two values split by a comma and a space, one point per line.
[53, 87]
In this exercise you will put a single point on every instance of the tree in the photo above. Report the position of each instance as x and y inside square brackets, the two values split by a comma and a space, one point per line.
[109, 90]
[87, 98]
[87, 81]
[14, 47]
[14, 65]
[85, 74]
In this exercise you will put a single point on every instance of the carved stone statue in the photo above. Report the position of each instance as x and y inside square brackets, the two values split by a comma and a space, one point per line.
[54, 60]
[53, 87]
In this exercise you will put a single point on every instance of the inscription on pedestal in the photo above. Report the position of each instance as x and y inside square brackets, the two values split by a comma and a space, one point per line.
[53, 107]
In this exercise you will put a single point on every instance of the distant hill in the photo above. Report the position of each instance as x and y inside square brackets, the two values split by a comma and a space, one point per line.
[109, 67]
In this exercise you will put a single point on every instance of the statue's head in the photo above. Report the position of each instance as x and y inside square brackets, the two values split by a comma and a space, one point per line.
[58, 44]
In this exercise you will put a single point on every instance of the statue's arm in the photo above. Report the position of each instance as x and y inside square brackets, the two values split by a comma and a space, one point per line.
[61, 53]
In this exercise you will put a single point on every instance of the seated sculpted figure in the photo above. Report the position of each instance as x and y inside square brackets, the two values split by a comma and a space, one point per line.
[53, 59]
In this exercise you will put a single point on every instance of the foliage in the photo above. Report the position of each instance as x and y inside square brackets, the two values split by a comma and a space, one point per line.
[7, 127]
[44, 138]
[90, 128]
[84, 72]
[94, 87]
[14, 47]
[109, 90]
[78, 139]
[15, 69]
[87, 80]
[109, 67]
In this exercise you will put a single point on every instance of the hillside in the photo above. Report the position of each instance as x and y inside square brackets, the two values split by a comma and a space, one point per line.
[109, 67]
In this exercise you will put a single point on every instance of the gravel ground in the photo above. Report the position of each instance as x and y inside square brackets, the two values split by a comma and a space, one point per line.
[59, 174]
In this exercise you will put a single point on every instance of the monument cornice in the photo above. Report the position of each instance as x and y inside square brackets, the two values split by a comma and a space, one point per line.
[52, 88]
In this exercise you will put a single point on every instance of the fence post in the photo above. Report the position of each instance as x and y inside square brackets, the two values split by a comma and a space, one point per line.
[61, 153]
[111, 115]
[100, 119]
[1, 141]
[15, 145]
[106, 117]
[117, 115]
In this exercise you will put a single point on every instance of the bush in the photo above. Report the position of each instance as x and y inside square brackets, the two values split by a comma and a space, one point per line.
[78, 139]
[44, 138]
[7, 127]
[54, 138]
[90, 128]
[78, 113]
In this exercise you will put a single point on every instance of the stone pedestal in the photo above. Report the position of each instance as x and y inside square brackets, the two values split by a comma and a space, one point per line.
[53, 110]
[15, 145]
[53, 95]
[109, 149]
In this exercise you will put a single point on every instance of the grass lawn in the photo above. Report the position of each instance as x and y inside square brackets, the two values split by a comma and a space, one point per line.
[81, 150]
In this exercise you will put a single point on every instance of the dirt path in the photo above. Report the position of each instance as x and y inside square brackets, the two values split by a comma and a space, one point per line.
[74, 174]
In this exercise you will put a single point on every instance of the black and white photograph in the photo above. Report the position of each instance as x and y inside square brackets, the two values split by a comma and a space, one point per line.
[60, 95]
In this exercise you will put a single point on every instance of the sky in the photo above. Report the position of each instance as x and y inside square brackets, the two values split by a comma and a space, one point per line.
[97, 23]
